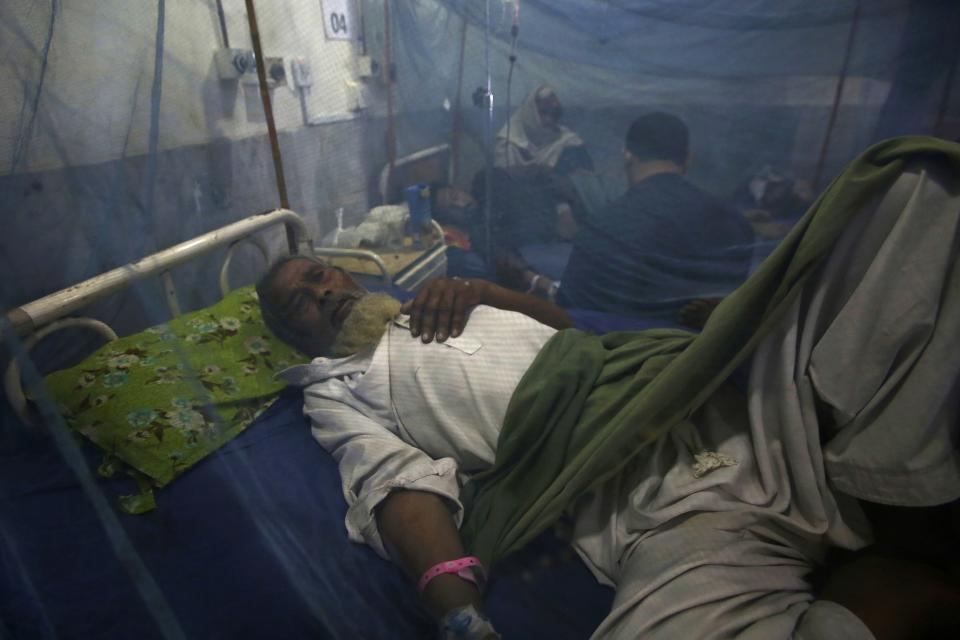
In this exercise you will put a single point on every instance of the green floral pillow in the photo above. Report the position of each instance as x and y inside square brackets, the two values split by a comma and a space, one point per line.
[162, 400]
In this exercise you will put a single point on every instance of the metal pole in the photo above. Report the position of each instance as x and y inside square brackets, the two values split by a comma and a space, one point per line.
[271, 124]
[947, 91]
[223, 24]
[457, 113]
[388, 78]
[488, 177]
[838, 94]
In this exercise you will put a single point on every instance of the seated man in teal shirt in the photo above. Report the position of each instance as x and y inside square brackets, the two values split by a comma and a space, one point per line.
[663, 243]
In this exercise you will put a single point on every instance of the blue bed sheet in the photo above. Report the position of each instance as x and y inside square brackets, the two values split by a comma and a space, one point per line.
[249, 544]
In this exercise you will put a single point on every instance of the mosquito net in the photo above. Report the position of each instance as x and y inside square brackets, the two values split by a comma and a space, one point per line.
[623, 157]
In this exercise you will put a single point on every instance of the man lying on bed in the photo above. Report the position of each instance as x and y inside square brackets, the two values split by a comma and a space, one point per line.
[712, 530]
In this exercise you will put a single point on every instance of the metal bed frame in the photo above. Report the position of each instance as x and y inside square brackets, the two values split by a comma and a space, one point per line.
[36, 315]
[432, 264]
[429, 155]
[35, 320]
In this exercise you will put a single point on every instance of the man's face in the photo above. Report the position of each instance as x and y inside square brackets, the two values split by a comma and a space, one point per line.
[550, 110]
[314, 299]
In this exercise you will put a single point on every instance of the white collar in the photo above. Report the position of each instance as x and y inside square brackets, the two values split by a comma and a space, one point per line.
[320, 369]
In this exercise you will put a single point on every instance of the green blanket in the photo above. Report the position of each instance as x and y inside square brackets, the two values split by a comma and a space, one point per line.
[588, 405]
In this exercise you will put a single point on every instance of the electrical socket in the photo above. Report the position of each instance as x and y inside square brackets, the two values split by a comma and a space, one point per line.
[241, 64]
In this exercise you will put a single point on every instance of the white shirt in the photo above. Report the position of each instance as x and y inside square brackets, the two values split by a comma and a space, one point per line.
[409, 415]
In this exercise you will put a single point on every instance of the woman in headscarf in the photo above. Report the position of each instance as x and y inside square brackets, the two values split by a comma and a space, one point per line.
[534, 135]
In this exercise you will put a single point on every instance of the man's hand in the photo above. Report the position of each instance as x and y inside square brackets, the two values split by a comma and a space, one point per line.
[467, 623]
[440, 309]
[513, 271]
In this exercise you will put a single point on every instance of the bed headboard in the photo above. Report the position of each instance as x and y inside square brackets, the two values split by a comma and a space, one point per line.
[39, 318]
[425, 166]
[33, 316]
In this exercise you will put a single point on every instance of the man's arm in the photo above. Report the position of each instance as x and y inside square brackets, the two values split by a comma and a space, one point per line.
[440, 309]
[401, 502]
[421, 530]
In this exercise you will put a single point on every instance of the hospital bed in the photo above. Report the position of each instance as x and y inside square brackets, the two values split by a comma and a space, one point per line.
[248, 543]
[405, 269]
[434, 164]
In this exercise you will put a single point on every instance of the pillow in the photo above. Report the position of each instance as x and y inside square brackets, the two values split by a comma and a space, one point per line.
[162, 400]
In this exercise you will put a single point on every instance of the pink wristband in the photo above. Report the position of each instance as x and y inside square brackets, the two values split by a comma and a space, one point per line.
[460, 566]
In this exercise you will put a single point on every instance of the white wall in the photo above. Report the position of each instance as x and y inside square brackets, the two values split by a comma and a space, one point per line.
[95, 103]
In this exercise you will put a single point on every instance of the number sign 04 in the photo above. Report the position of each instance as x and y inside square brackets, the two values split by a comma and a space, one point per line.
[338, 19]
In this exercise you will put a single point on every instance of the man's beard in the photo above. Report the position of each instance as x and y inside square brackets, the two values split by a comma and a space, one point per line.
[365, 324]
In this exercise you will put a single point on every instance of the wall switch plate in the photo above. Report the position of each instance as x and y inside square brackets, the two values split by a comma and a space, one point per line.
[302, 72]
[367, 67]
